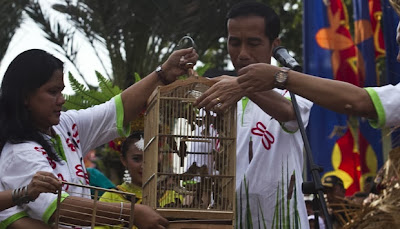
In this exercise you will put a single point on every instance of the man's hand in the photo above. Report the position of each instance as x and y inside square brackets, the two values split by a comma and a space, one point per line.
[223, 94]
[257, 77]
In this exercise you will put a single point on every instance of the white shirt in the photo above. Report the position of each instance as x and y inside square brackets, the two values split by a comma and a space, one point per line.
[79, 132]
[277, 155]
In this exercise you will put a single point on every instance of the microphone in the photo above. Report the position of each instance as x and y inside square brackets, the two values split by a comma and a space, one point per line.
[284, 58]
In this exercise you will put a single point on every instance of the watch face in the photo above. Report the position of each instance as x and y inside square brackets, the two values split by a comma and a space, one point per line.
[158, 69]
[280, 77]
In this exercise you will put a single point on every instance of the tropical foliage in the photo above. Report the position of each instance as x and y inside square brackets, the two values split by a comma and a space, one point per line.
[135, 36]
[85, 97]
[11, 12]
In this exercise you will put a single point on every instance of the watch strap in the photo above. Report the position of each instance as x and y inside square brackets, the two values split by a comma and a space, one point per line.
[161, 75]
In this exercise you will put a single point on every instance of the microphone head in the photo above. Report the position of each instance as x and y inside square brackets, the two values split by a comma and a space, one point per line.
[284, 58]
[278, 51]
[275, 51]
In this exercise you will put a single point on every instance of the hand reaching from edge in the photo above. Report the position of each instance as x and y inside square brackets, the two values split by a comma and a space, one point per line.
[147, 218]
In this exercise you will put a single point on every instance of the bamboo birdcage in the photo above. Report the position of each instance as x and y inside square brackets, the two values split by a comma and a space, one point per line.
[180, 189]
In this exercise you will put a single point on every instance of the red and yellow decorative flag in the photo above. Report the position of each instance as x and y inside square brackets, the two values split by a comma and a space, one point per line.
[342, 145]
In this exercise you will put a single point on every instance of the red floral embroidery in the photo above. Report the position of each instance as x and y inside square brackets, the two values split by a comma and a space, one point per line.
[75, 133]
[81, 173]
[44, 153]
[70, 144]
[65, 186]
[267, 138]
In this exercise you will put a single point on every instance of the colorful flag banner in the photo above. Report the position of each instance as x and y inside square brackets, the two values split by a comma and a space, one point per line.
[343, 146]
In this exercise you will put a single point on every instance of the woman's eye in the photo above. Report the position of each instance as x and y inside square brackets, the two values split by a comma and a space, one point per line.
[137, 159]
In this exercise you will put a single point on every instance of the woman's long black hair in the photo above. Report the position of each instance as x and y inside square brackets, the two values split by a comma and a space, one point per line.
[26, 73]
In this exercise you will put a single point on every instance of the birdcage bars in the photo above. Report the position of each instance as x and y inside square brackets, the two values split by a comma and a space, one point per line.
[196, 192]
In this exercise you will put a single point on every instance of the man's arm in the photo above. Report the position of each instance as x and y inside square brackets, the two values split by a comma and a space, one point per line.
[335, 95]
[228, 92]
[274, 104]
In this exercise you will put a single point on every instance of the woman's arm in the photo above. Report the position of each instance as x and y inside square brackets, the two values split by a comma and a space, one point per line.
[134, 98]
[41, 182]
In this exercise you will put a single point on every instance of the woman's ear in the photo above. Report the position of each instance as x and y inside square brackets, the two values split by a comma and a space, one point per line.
[123, 160]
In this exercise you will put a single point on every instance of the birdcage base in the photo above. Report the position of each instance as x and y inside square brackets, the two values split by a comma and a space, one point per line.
[201, 224]
[208, 215]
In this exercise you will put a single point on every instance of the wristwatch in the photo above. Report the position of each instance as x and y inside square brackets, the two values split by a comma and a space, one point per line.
[281, 78]
[161, 75]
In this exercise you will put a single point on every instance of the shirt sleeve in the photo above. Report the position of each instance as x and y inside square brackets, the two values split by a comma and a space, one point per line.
[387, 105]
[96, 125]
[24, 161]
[10, 215]
[304, 106]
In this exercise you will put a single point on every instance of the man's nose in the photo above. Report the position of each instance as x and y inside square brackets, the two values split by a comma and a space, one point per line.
[244, 54]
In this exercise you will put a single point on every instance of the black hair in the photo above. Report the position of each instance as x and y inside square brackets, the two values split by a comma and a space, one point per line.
[26, 73]
[132, 139]
[248, 8]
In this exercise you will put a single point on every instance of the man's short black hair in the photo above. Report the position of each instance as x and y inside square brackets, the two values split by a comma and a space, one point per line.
[272, 21]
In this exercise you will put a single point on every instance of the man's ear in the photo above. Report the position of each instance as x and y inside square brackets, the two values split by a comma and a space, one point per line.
[276, 43]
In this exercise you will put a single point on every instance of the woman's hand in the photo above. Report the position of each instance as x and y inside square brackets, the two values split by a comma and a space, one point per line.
[178, 63]
[43, 182]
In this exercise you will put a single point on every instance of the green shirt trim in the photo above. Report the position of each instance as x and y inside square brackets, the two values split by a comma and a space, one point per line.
[57, 144]
[52, 208]
[123, 131]
[381, 121]
[5, 223]
[245, 100]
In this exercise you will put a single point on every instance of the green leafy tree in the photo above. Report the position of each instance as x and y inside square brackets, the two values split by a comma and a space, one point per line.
[138, 35]
[11, 17]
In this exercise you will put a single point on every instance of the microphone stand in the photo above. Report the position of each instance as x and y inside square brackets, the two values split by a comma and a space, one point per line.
[314, 186]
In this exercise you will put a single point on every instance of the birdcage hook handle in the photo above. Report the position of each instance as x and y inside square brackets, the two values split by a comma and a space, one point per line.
[188, 38]
[189, 66]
